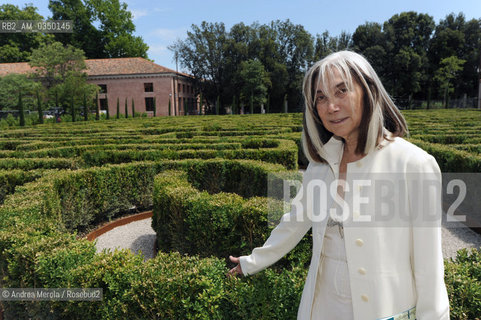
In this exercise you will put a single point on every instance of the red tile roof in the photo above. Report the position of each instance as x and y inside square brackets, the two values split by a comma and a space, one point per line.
[100, 67]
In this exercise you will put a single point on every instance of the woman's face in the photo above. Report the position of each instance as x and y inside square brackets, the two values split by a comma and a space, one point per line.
[341, 113]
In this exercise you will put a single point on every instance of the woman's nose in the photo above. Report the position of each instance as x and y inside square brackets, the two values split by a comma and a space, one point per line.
[332, 106]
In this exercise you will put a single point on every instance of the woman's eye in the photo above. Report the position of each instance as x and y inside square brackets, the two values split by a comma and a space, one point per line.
[341, 91]
[320, 98]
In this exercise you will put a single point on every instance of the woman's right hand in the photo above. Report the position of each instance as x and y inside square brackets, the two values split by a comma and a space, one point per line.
[237, 269]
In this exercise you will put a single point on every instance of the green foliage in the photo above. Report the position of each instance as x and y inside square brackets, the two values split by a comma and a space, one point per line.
[20, 109]
[463, 281]
[448, 71]
[17, 47]
[255, 82]
[113, 38]
[11, 85]
[133, 108]
[42, 210]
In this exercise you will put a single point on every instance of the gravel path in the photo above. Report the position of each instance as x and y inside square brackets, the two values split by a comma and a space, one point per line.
[139, 236]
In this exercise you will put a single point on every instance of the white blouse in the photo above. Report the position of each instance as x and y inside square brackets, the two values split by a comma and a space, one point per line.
[332, 296]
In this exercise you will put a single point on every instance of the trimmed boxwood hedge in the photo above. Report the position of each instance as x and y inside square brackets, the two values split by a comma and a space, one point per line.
[43, 210]
[36, 250]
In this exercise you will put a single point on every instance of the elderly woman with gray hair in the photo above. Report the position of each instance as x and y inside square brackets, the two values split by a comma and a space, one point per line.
[381, 258]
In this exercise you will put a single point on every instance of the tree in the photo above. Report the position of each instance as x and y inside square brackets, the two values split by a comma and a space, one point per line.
[11, 85]
[449, 69]
[17, 47]
[39, 107]
[118, 108]
[295, 51]
[117, 29]
[454, 36]
[203, 54]
[108, 109]
[72, 108]
[255, 83]
[85, 36]
[20, 109]
[97, 109]
[53, 62]
[114, 36]
[61, 70]
[369, 40]
[126, 109]
[407, 37]
[133, 108]
[86, 108]
[155, 107]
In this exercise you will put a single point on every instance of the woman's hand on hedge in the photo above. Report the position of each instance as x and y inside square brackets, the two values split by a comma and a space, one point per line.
[237, 269]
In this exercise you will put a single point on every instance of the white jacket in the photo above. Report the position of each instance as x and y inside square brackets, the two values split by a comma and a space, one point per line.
[393, 265]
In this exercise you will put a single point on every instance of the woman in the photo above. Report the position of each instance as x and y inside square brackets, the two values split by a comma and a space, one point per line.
[378, 258]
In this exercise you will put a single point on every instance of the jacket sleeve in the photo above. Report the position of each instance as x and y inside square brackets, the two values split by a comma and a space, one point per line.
[283, 238]
[426, 248]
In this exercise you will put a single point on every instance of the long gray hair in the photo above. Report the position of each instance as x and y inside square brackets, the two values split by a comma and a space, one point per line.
[379, 111]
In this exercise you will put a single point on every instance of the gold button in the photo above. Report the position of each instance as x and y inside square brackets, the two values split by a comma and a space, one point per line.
[361, 270]
[365, 298]
[359, 164]
[360, 242]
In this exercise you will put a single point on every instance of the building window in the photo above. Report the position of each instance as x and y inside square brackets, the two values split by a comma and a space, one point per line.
[178, 87]
[149, 104]
[103, 104]
[183, 88]
[149, 87]
[103, 88]
[180, 105]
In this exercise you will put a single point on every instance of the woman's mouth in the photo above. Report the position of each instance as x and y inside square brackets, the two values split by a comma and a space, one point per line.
[338, 121]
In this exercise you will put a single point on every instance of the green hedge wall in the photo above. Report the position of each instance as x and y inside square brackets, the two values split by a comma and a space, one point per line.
[36, 250]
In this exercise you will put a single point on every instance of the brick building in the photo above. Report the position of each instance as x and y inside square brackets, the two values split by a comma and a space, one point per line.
[133, 78]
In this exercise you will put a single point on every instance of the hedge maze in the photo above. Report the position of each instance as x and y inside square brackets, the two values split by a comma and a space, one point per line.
[205, 177]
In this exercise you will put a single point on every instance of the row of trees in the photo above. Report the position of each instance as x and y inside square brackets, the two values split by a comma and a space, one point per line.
[415, 58]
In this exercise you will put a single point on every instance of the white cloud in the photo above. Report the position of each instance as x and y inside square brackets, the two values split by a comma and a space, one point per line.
[169, 34]
[158, 49]
[138, 13]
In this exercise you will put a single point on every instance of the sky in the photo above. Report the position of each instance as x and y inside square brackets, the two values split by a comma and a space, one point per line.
[160, 23]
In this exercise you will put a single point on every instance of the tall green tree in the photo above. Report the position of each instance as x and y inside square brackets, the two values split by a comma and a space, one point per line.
[155, 107]
[62, 72]
[17, 47]
[11, 85]
[86, 107]
[113, 38]
[118, 108]
[369, 40]
[203, 53]
[97, 109]
[20, 109]
[407, 37]
[255, 82]
[449, 69]
[39, 107]
[53, 62]
[295, 50]
[85, 35]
